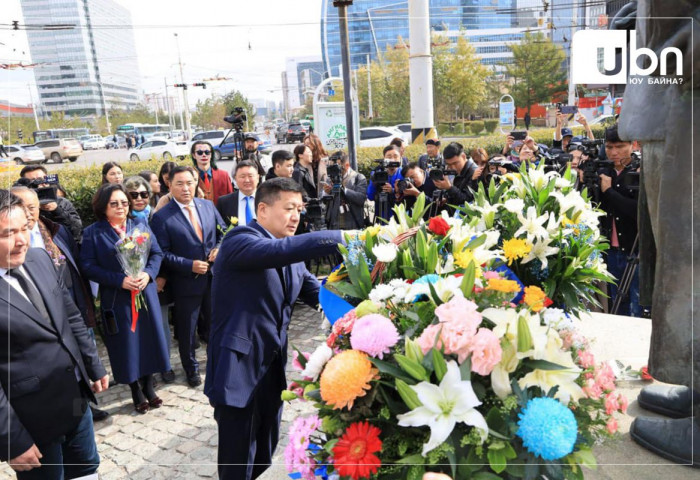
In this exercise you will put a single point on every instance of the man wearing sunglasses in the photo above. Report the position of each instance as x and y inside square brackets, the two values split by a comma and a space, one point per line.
[213, 182]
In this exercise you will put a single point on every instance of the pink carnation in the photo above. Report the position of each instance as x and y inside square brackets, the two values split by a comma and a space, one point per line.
[486, 351]
[374, 335]
[489, 274]
[592, 389]
[605, 377]
[611, 403]
[295, 360]
[427, 338]
[611, 426]
[342, 326]
[622, 400]
[585, 358]
[458, 309]
[295, 453]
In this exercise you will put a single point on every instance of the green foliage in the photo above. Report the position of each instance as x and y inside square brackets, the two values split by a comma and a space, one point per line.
[490, 125]
[536, 70]
[476, 127]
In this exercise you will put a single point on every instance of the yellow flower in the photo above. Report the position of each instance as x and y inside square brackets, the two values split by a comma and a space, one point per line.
[345, 378]
[234, 220]
[371, 231]
[336, 275]
[535, 298]
[129, 245]
[566, 222]
[503, 285]
[516, 248]
[464, 258]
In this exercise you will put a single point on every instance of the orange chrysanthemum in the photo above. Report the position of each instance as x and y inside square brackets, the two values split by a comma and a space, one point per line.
[503, 285]
[346, 377]
[354, 454]
[535, 298]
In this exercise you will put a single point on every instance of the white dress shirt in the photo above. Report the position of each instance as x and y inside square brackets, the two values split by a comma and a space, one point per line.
[242, 212]
[35, 239]
[15, 284]
[187, 215]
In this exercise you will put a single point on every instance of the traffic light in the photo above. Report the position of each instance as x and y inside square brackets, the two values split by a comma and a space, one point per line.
[201, 84]
[20, 134]
[181, 85]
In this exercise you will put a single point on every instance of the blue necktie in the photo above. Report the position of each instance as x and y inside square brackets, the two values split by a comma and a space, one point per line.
[248, 210]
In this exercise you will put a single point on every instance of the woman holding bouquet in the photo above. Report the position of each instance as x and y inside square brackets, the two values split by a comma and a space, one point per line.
[136, 351]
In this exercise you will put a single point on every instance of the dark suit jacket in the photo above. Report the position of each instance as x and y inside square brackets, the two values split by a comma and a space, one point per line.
[250, 320]
[228, 207]
[40, 398]
[181, 246]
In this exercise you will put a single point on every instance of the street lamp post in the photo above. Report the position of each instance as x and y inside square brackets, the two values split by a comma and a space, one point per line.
[188, 126]
[342, 6]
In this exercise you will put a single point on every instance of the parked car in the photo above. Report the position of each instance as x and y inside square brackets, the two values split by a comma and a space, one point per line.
[60, 148]
[84, 138]
[22, 154]
[110, 143]
[212, 136]
[295, 132]
[307, 125]
[603, 119]
[405, 129]
[160, 136]
[177, 136]
[165, 149]
[378, 136]
[281, 133]
[94, 143]
[228, 148]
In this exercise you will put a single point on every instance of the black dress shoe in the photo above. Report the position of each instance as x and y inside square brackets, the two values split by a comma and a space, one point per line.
[672, 402]
[142, 407]
[194, 380]
[670, 439]
[98, 415]
[168, 377]
[155, 402]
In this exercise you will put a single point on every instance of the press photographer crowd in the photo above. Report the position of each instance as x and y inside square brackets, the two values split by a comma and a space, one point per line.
[174, 221]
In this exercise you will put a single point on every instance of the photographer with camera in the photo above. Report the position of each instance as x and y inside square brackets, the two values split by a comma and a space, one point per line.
[432, 155]
[456, 191]
[262, 162]
[619, 187]
[415, 181]
[351, 186]
[384, 177]
[53, 207]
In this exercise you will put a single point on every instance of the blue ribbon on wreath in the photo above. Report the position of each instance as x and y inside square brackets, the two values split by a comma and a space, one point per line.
[334, 306]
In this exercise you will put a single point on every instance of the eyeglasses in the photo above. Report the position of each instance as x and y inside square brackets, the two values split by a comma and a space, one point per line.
[123, 203]
[136, 195]
[203, 152]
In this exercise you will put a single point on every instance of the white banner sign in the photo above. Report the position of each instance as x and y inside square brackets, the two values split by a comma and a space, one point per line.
[330, 125]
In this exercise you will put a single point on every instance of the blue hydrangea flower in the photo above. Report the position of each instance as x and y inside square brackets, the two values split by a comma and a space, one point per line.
[537, 271]
[548, 429]
[427, 279]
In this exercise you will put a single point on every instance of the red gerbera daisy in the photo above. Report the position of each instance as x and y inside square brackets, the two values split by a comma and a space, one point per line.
[354, 454]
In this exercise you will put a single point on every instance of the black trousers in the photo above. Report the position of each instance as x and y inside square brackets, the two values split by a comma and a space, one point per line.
[186, 313]
[248, 436]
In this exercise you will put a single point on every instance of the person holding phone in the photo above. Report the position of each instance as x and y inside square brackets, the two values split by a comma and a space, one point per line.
[563, 135]
[134, 356]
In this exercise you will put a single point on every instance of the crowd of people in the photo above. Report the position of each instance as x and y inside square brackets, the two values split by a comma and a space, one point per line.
[188, 211]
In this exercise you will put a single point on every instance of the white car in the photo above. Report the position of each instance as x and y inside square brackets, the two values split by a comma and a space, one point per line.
[378, 136]
[94, 143]
[22, 154]
[160, 136]
[405, 129]
[165, 149]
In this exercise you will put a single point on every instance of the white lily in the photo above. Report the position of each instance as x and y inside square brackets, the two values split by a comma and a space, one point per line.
[539, 179]
[541, 250]
[445, 288]
[573, 199]
[443, 407]
[532, 225]
[385, 253]
[514, 205]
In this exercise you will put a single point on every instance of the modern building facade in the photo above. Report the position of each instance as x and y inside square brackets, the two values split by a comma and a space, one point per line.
[90, 63]
[301, 77]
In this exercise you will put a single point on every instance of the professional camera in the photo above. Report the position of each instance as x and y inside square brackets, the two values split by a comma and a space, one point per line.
[503, 163]
[237, 117]
[403, 184]
[45, 188]
[590, 148]
[316, 209]
[555, 160]
[380, 176]
[438, 170]
[335, 174]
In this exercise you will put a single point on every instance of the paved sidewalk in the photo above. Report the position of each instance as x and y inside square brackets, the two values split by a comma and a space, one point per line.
[179, 440]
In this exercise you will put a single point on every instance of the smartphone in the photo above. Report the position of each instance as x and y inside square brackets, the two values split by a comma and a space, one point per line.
[518, 134]
[109, 322]
[568, 109]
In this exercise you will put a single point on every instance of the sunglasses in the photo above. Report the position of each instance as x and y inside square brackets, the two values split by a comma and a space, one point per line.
[203, 152]
[116, 204]
[136, 195]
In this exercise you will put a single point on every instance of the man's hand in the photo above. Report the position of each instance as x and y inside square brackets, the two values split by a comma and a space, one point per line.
[411, 190]
[326, 188]
[435, 476]
[49, 207]
[142, 280]
[160, 283]
[560, 119]
[509, 144]
[101, 385]
[199, 267]
[443, 184]
[386, 188]
[130, 283]
[26, 461]
[605, 183]
[580, 118]
[478, 172]
[212, 255]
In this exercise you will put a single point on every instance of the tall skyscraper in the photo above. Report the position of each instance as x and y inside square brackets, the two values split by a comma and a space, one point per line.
[88, 66]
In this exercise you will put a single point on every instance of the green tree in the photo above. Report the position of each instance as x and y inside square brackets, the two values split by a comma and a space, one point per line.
[536, 70]
[210, 113]
[236, 99]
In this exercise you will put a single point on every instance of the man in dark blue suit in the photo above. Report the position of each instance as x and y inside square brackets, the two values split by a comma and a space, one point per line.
[49, 366]
[188, 230]
[258, 277]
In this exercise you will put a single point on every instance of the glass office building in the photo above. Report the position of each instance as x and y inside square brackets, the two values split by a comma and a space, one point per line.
[89, 65]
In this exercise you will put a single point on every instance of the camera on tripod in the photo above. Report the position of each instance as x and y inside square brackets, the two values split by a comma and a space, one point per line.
[316, 209]
[335, 172]
[237, 118]
[438, 169]
[380, 175]
[590, 148]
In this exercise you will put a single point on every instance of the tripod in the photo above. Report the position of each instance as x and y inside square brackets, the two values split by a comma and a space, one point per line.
[382, 205]
[435, 203]
[238, 141]
[623, 288]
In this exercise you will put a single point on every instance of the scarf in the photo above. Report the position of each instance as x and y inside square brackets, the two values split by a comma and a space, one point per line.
[145, 213]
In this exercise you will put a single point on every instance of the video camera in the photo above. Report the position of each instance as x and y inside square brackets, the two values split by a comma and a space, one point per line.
[380, 176]
[590, 148]
[237, 117]
[335, 172]
[316, 209]
[555, 160]
[503, 163]
[438, 170]
[45, 188]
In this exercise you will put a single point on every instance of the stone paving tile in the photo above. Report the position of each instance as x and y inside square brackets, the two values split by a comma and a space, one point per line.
[179, 439]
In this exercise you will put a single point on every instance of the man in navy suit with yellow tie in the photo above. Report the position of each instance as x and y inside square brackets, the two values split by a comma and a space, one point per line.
[258, 276]
[188, 231]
